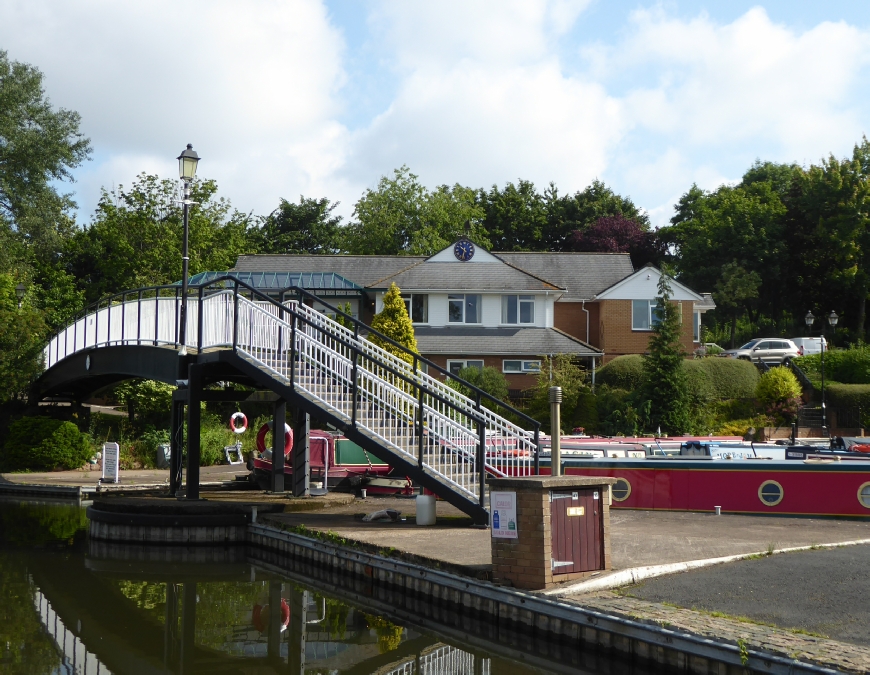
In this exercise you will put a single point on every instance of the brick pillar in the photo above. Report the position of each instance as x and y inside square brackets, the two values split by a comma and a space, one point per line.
[526, 562]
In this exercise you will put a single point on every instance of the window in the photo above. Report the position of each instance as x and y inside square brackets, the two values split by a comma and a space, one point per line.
[770, 493]
[620, 490]
[696, 327]
[463, 308]
[644, 314]
[519, 366]
[864, 495]
[518, 309]
[455, 366]
[417, 306]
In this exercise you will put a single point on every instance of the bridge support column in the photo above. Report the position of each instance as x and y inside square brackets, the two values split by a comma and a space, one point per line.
[188, 627]
[194, 417]
[298, 621]
[301, 455]
[279, 419]
[273, 635]
[176, 436]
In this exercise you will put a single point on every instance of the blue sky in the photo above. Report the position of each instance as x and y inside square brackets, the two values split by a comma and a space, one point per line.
[284, 98]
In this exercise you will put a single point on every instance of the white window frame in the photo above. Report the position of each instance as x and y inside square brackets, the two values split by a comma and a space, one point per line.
[408, 299]
[526, 366]
[520, 301]
[464, 364]
[696, 327]
[463, 298]
[652, 319]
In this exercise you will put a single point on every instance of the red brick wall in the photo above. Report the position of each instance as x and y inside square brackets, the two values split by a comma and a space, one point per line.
[618, 338]
[570, 317]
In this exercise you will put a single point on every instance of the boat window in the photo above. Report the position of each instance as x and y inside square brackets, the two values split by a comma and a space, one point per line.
[770, 493]
[620, 490]
[864, 495]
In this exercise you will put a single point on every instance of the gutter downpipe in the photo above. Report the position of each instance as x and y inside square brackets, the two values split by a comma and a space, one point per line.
[583, 308]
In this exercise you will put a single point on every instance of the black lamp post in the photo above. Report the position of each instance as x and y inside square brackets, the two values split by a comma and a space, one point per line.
[20, 292]
[187, 162]
[832, 320]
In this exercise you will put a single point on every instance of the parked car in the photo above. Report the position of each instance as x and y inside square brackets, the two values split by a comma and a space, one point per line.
[810, 345]
[769, 350]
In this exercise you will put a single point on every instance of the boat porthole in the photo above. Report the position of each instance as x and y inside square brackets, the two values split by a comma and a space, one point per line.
[770, 493]
[864, 495]
[620, 490]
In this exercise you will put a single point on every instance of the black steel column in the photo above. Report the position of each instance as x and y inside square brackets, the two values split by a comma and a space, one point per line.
[170, 628]
[273, 635]
[188, 627]
[176, 445]
[194, 416]
[301, 455]
[279, 420]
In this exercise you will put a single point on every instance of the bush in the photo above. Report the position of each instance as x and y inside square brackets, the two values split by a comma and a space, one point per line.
[624, 372]
[44, 444]
[489, 379]
[586, 412]
[848, 396]
[779, 393]
[849, 366]
[729, 378]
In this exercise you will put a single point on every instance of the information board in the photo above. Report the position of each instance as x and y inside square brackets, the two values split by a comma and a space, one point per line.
[111, 457]
[504, 514]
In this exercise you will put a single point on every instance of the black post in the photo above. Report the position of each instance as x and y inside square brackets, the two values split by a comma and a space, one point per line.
[298, 618]
[185, 266]
[824, 408]
[537, 449]
[481, 453]
[188, 627]
[301, 455]
[279, 420]
[176, 438]
[420, 419]
[273, 635]
[170, 628]
[354, 376]
[194, 415]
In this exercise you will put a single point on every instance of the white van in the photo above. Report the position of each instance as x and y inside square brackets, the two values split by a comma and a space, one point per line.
[810, 345]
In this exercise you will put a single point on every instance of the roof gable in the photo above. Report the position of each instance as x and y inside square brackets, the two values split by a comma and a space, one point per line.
[643, 285]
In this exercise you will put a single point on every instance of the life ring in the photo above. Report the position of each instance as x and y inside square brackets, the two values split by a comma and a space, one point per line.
[860, 447]
[238, 429]
[260, 616]
[266, 428]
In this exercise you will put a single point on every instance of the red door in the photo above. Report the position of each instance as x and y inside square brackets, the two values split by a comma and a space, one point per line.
[575, 526]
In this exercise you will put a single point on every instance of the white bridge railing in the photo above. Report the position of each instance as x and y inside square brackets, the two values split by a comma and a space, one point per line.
[409, 411]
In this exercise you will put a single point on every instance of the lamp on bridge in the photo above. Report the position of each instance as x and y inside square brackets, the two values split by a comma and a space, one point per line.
[187, 161]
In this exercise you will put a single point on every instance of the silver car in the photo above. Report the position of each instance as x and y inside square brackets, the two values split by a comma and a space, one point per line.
[769, 350]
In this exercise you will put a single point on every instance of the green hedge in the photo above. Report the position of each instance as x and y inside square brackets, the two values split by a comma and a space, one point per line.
[44, 444]
[848, 395]
[729, 378]
[849, 366]
[624, 372]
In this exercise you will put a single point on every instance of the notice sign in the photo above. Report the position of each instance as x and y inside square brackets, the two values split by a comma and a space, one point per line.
[111, 457]
[504, 514]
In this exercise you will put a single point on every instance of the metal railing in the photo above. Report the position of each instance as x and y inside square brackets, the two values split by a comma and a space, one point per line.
[391, 394]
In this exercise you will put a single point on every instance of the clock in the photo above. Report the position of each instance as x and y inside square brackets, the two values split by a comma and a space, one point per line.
[463, 250]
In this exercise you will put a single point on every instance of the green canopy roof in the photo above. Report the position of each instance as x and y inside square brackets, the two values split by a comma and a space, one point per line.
[279, 281]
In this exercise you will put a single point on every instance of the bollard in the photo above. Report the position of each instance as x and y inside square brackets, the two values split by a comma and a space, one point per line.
[718, 510]
[555, 396]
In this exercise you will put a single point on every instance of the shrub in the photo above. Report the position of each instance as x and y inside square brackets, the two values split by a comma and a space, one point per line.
[44, 444]
[624, 372]
[849, 366]
[729, 378]
[849, 396]
[779, 393]
[586, 412]
[489, 379]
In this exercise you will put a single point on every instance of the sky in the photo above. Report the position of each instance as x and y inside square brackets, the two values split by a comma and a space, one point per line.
[322, 98]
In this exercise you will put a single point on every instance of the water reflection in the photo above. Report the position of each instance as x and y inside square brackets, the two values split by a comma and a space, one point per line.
[70, 605]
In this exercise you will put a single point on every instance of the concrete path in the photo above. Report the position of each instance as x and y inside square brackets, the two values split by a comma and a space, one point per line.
[143, 477]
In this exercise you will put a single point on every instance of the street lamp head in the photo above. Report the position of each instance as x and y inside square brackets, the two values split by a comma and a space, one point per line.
[833, 318]
[20, 291]
[187, 162]
[809, 318]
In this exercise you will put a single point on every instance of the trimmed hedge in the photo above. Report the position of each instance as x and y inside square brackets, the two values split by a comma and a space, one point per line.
[729, 378]
[848, 396]
[849, 366]
[624, 372]
[717, 378]
[44, 444]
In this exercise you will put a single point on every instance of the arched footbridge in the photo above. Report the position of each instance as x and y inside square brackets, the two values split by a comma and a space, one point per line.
[392, 404]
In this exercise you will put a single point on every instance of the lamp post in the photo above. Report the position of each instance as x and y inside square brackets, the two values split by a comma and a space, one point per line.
[832, 320]
[187, 161]
[20, 292]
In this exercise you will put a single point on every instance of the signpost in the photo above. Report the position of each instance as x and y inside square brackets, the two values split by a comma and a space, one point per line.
[111, 459]
[504, 514]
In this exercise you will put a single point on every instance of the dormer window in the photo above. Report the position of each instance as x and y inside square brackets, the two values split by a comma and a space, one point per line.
[517, 309]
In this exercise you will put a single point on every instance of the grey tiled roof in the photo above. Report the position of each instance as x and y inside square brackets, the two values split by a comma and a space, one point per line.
[478, 341]
[448, 276]
[582, 274]
[361, 269]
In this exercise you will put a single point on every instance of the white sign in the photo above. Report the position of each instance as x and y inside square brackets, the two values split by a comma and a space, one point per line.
[111, 459]
[503, 506]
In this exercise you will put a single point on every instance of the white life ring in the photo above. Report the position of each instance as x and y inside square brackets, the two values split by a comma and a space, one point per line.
[243, 427]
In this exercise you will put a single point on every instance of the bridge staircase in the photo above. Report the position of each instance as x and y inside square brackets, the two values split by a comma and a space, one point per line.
[391, 401]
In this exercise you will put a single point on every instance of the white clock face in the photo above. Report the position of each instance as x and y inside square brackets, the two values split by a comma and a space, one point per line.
[463, 250]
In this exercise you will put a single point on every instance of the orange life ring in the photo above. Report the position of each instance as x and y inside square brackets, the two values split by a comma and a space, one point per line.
[266, 428]
[260, 616]
[240, 429]
[860, 447]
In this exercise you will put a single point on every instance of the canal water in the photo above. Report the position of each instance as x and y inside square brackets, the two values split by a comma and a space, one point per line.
[69, 605]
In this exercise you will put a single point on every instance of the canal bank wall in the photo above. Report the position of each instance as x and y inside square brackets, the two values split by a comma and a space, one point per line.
[489, 611]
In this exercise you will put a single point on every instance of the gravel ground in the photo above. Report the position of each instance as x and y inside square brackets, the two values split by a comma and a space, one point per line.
[822, 591]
